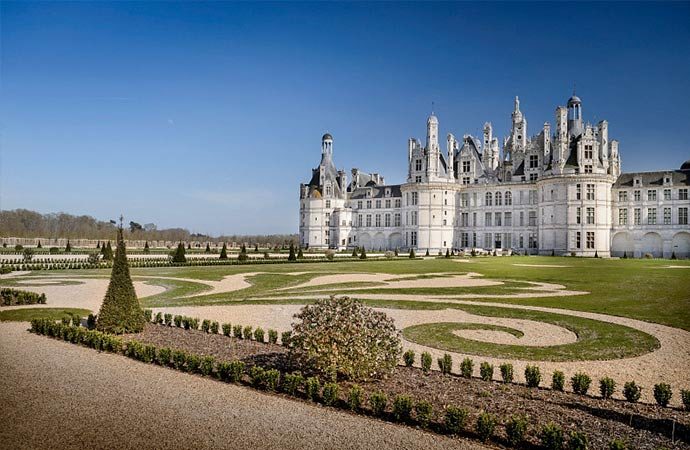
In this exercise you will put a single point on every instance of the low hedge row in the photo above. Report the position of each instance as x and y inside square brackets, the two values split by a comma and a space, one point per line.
[402, 408]
[9, 297]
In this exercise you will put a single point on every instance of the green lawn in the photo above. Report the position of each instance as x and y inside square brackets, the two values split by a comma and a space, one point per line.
[28, 314]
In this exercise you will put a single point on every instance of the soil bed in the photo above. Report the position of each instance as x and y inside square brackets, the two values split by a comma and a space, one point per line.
[641, 426]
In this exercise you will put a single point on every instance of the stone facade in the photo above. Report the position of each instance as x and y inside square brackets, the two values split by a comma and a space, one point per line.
[553, 193]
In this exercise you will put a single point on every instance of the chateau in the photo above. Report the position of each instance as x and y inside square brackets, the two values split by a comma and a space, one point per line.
[560, 192]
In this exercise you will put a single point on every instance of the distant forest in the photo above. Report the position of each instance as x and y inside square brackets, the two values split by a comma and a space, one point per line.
[24, 223]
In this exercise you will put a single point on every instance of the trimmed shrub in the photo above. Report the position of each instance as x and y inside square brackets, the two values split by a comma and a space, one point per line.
[76, 320]
[223, 370]
[617, 444]
[237, 331]
[607, 387]
[532, 376]
[256, 376]
[507, 373]
[193, 363]
[285, 337]
[354, 397]
[159, 318]
[272, 336]
[445, 364]
[206, 366]
[179, 359]
[578, 441]
[486, 423]
[271, 380]
[378, 401]
[292, 382]
[580, 383]
[424, 412]
[454, 419]
[486, 371]
[685, 397]
[163, 356]
[178, 255]
[247, 332]
[516, 428]
[227, 329]
[408, 357]
[214, 327]
[311, 388]
[205, 325]
[148, 315]
[466, 368]
[330, 394]
[551, 436]
[662, 394]
[402, 408]
[558, 381]
[632, 392]
[259, 334]
[365, 343]
[91, 322]
[236, 371]
[426, 362]
[178, 321]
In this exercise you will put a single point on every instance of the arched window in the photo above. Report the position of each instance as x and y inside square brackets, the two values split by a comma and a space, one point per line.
[499, 199]
[488, 199]
[509, 198]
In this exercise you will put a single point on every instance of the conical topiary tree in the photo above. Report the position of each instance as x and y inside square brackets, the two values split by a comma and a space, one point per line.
[256, 248]
[120, 311]
[208, 248]
[412, 255]
[427, 252]
[179, 255]
[224, 252]
[189, 246]
[68, 247]
[291, 256]
[300, 255]
[146, 248]
[98, 246]
[107, 252]
[363, 254]
[354, 252]
[243, 254]
[40, 246]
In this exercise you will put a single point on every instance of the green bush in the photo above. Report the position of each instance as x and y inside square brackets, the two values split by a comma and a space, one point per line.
[256, 376]
[206, 325]
[558, 381]
[271, 380]
[607, 387]
[214, 327]
[402, 408]
[236, 371]
[193, 363]
[532, 376]
[662, 394]
[454, 419]
[507, 373]
[227, 329]
[632, 392]
[330, 394]
[580, 383]
[148, 315]
[378, 401]
[272, 336]
[76, 320]
[311, 388]
[551, 436]
[91, 322]
[11, 297]
[163, 356]
[408, 357]
[424, 412]
[179, 359]
[516, 428]
[259, 334]
[364, 345]
[685, 397]
[354, 397]
[178, 320]
[159, 318]
[247, 332]
[285, 338]
[486, 371]
[466, 368]
[445, 364]
[237, 331]
[426, 362]
[578, 441]
[617, 444]
[486, 423]
[206, 366]
[292, 382]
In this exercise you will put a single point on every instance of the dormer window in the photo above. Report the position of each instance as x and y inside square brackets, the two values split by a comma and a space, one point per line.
[637, 181]
[418, 164]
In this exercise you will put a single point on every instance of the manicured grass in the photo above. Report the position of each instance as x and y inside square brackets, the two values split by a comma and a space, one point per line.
[173, 289]
[28, 314]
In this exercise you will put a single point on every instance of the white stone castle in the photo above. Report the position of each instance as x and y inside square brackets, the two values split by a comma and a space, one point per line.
[556, 193]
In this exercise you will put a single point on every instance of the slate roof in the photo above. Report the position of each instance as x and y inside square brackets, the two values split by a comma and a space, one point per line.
[376, 192]
[678, 177]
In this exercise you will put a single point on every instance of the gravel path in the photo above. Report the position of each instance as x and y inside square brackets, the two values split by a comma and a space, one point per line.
[58, 395]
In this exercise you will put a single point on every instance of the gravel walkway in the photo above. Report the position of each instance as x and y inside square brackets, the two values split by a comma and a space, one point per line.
[58, 395]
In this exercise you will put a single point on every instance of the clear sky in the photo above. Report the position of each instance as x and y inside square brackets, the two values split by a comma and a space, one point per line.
[209, 115]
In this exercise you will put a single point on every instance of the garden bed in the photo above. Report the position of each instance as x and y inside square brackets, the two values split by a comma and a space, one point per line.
[640, 426]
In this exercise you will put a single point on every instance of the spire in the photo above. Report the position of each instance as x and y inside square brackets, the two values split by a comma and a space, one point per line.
[517, 104]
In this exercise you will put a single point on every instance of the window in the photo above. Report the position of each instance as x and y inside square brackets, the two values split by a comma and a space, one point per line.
[578, 192]
[578, 240]
[418, 164]
[368, 204]
[499, 199]
[487, 219]
[508, 219]
[651, 195]
[682, 194]
[398, 202]
[464, 218]
[396, 219]
[588, 152]
[328, 218]
[359, 220]
[487, 200]
[414, 218]
[413, 239]
[359, 204]
[474, 219]
[378, 204]
[623, 196]
[622, 216]
[590, 216]
[532, 219]
[465, 180]
[637, 216]
[378, 220]
[522, 219]
[497, 219]
[464, 199]
[533, 176]
[388, 203]
[464, 240]
[387, 220]
[487, 240]
[590, 192]
[533, 161]
[368, 220]
[667, 194]
[590, 239]
[465, 166]
[497, 240]
[682, 216]
[328, 203]
[418, 179]
[636, 195]
[329, 190]
[414, 198]
[588, 168]
[509, 198]
[521, 241]
[651, 216]
[667, 216]
[578, 215]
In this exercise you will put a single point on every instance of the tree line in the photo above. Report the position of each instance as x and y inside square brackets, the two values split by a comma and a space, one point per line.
[24, 223]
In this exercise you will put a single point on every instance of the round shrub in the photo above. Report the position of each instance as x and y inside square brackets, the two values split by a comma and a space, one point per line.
[408, 357]
[402, 408]
[507, 373]
[580, 383]
[354, 397]
[685, 397]
[455, 418]
[516, 428]
[662, 393]
[486, 371]
[330, 394]
[607, 387]
[551, 436]
[485, 425]
[424, 411]
[378, 401]
[426, 362]
[532, 376]
[578, 441]
[466, 368]
[342, 337]
[632, 392]
[558, 381]
[445, 364]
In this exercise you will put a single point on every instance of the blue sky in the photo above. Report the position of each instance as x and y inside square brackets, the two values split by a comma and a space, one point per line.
[209, 115]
